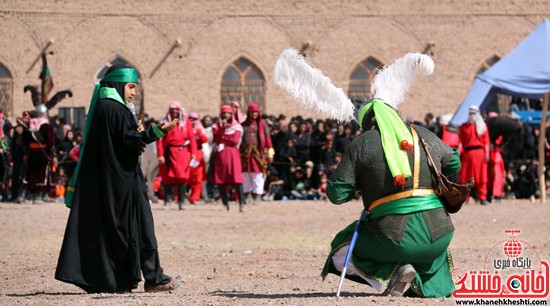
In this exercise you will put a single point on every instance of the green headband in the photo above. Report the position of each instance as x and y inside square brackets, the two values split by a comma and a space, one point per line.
[124, 75]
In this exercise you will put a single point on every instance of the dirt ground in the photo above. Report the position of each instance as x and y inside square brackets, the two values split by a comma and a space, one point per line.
[271, 255]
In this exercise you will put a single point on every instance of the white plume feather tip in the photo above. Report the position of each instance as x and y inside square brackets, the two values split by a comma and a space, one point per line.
[392, 82]
[310, 87]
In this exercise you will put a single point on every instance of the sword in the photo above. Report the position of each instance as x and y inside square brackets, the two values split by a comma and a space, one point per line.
[350, 250]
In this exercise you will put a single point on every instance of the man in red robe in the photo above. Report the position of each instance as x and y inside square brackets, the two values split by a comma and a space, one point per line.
[175, 151]
[227, 159]
[474, 157]
[256, 152]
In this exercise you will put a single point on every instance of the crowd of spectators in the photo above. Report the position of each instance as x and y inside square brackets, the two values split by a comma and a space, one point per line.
[307, 151]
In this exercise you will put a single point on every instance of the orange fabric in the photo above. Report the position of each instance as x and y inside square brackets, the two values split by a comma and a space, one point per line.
[35, 145]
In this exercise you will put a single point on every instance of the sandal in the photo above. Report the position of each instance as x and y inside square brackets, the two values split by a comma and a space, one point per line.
[171, 285]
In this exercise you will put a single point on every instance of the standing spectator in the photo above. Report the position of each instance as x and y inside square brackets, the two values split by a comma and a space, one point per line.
[318, 140]
[256, 152]
[17, 153]
[278, 138]
[150, 165]
[430, 124]
[342, 141]
[286, 156]
[496, 171]
[175, 151]
[209, 191]
[474, 139]
[198, 167]
[65, 145]
[327, 155]
[447, 133]
[227, 160]
[303, 143]
[236, 106]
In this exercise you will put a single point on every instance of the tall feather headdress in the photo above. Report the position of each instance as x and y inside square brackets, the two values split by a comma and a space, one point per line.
[392, 82]
[310, 87]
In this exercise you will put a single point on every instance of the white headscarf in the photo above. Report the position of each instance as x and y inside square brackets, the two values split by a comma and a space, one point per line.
[475, 117]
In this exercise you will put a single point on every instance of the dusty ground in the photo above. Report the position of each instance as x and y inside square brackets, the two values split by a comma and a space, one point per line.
[272, 254]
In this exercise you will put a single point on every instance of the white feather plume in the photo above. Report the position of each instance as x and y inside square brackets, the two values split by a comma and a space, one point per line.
[310, 87]
[392, 82]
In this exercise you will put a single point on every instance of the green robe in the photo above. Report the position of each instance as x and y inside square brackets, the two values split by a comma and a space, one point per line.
[414, 231]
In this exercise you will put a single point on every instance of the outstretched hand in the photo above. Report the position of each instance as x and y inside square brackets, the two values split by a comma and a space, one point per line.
[167, 127]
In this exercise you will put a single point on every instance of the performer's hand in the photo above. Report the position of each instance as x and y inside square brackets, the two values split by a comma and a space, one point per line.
[140, 127]
[486, 158]
[25, 159]
[161, 160]
[167, 127]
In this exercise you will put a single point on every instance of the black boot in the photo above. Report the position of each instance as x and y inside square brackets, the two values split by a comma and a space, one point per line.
[242, 200]
[223, 195]
[182, 194]
[168, 196]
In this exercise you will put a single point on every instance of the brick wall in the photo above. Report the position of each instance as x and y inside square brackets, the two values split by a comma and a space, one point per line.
[212, 34]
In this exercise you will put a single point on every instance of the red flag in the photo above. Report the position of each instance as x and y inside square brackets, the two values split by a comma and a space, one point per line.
[46, 78]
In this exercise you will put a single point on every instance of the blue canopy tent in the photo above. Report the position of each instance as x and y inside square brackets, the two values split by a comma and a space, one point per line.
[524, 72]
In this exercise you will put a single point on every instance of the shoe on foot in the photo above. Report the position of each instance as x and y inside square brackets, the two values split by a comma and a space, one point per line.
[401, 281]
[169, 286]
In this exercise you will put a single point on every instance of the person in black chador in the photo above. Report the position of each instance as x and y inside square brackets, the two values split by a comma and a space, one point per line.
[110, 238]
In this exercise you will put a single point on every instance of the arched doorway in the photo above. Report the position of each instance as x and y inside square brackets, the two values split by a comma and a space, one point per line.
[6, 90]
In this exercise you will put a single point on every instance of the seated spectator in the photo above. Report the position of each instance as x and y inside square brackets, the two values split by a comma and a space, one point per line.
[527, 184]
[321, 192]
[300, 190]
[273, 186]
[289, 179]
[60, 183]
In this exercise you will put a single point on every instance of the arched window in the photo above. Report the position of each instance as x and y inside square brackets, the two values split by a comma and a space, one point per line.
[6, 90]
[118, 60]
[488, 63]
[361, 78]
[244, 82]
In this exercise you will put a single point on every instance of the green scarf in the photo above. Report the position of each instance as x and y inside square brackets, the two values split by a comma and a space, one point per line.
[124, 75]
[396, 138]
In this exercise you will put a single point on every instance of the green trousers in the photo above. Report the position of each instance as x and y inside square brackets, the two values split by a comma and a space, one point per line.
[385, 243]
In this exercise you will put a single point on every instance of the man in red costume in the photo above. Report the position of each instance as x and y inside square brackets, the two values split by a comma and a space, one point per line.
[474, 141]
[227, 160]
[256, 152]
[175, 151]
[198, 167]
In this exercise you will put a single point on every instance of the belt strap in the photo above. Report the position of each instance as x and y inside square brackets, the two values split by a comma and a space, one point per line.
[415, 192]
[401, 195]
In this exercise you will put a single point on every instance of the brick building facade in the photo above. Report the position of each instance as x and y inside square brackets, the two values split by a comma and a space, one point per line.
[183, 49]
